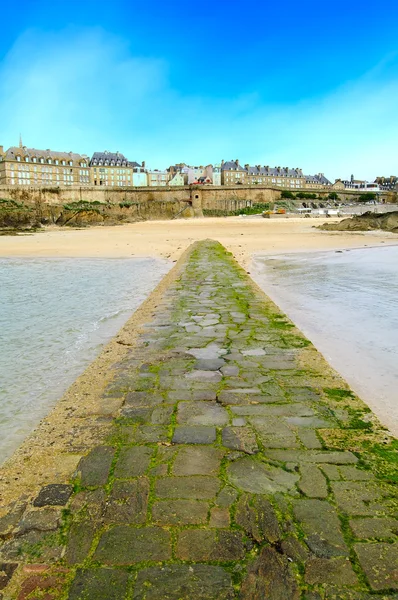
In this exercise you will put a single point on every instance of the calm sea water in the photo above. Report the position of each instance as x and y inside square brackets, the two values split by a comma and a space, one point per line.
[346, 303]
[55, 314]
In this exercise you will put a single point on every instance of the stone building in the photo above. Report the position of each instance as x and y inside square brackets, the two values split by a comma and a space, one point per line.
[140, 178]
[157, 178]
[111, 169]
[292, 179]
[317, 182]
[232, 173]
[20, 165]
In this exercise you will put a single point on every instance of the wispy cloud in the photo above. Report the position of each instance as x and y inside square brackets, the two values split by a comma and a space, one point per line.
[82, 89]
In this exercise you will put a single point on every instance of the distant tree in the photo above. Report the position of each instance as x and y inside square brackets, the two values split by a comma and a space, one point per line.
[287, 194]
[333, 196]
[367, 197]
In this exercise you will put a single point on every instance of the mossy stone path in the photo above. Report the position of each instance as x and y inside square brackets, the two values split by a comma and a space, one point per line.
[239, 466]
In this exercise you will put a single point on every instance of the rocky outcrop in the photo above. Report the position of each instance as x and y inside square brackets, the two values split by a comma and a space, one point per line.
[369, 221]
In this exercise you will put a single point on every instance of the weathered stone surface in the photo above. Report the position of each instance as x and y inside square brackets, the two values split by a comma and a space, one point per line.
[198, 461]
[227, 496]
[81, 536]
[133, 462]
[123, 545]
[230, 371]
[42, 545]
[143, 399]
[88, 505]
[258, 519]
[178, 582]
[202, 413]
[11, 519]
[209, 545]
[211, 376]
[355, 497]
[337, 571]
[199, 487]
[55, 494]
[240, 438]
[294, 550]
[381, 528]
[269, 577]
[128, 501]
[309, 439]
[46, 519]
[199, 434]
[334, 458]
[219, 517]
[380, 563]
[260, 478]
[312, 482]
[209, 364]
[321, 525]
[355, 474]
[274, 433]
[180, 512]
[150, 434]
[6, 572]
[99, 584]
[95, 467]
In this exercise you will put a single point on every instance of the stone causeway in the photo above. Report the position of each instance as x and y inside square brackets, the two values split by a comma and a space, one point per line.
[238, 465]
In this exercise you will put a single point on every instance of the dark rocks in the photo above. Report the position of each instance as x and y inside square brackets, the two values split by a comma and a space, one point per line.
[133, 462]
[200, 487]
[198, 461]
[55, 494]
[6, 572]
[380, 563]
[322, 527]
[257, 517]
[240, 438]
[95, 467]
[336, 571]
[128, 501]
[124, 545]
[180, 512]
[210, 545]
[269, 577]
[80, 539]
[194, 435]
[260, 478]
[99, 584]
[177, 582]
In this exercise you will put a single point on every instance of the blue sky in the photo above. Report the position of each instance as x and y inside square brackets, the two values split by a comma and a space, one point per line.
[305, 84]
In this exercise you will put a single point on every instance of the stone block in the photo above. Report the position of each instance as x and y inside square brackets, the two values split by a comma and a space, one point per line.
[312, 482]
[81, 536]
[240, 438]
[269, 577]
[95, 467]
[321, 526]
[201, 413]
[128, 501]
[355, 497]
[199, 434]
[380, 564]
[219, 517]
[198, 461]
[99, 584]
[312, 456]
[55, 494]
[257, 477]
[133, 462]
[381, 528]
[180, 512]
[336, 571]
[199, 487]
[177, 582]
[257, 517]
[124, 545]
[210, 545]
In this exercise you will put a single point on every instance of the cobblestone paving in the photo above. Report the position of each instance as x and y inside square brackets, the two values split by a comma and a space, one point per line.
[240, 466]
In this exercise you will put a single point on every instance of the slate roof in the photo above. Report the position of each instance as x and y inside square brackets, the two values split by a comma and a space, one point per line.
[15, 151]
[109, 159]
[318, 179]
[232, 165]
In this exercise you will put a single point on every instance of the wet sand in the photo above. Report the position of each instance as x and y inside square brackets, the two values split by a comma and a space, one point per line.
[243, 236]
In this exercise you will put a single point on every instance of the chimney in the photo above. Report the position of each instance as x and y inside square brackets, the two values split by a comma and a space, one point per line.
[1, 149]
[143, 164]
[237, 162]
[246, 166]
[222, 162]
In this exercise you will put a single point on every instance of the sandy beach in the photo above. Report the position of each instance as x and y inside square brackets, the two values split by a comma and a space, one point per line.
[242, 236]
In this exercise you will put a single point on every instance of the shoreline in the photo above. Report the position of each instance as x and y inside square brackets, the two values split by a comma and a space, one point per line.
[169, 239]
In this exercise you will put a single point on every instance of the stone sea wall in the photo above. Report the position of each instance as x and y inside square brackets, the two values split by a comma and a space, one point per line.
[222, 459]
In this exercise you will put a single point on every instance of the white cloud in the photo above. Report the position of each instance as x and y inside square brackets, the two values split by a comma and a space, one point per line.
[82, 90]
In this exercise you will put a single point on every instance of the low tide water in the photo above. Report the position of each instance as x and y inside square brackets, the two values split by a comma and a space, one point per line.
[346, 303]
[55, 315]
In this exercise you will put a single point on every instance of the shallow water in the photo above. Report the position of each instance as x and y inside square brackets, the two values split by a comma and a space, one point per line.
[346, 303]
[55, 314]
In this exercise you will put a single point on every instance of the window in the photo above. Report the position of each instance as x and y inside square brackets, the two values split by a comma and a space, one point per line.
[26, 159]
[18, 158]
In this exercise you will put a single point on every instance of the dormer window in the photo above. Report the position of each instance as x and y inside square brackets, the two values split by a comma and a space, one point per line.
[34, 159]
[49, 161]
[26, 159]
[56, 162]
[42, 160]
[70, 163]
[18, 158]
[63, 162]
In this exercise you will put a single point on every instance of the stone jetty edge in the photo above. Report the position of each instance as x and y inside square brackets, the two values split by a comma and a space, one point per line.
[210, 452]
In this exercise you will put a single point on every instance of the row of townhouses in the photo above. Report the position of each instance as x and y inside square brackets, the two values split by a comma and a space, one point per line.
[20, 165]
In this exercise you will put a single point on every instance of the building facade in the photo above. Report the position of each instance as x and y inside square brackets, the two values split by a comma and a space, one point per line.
[20, 165]
[140, 177]
[157, 178]
[111, 169]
